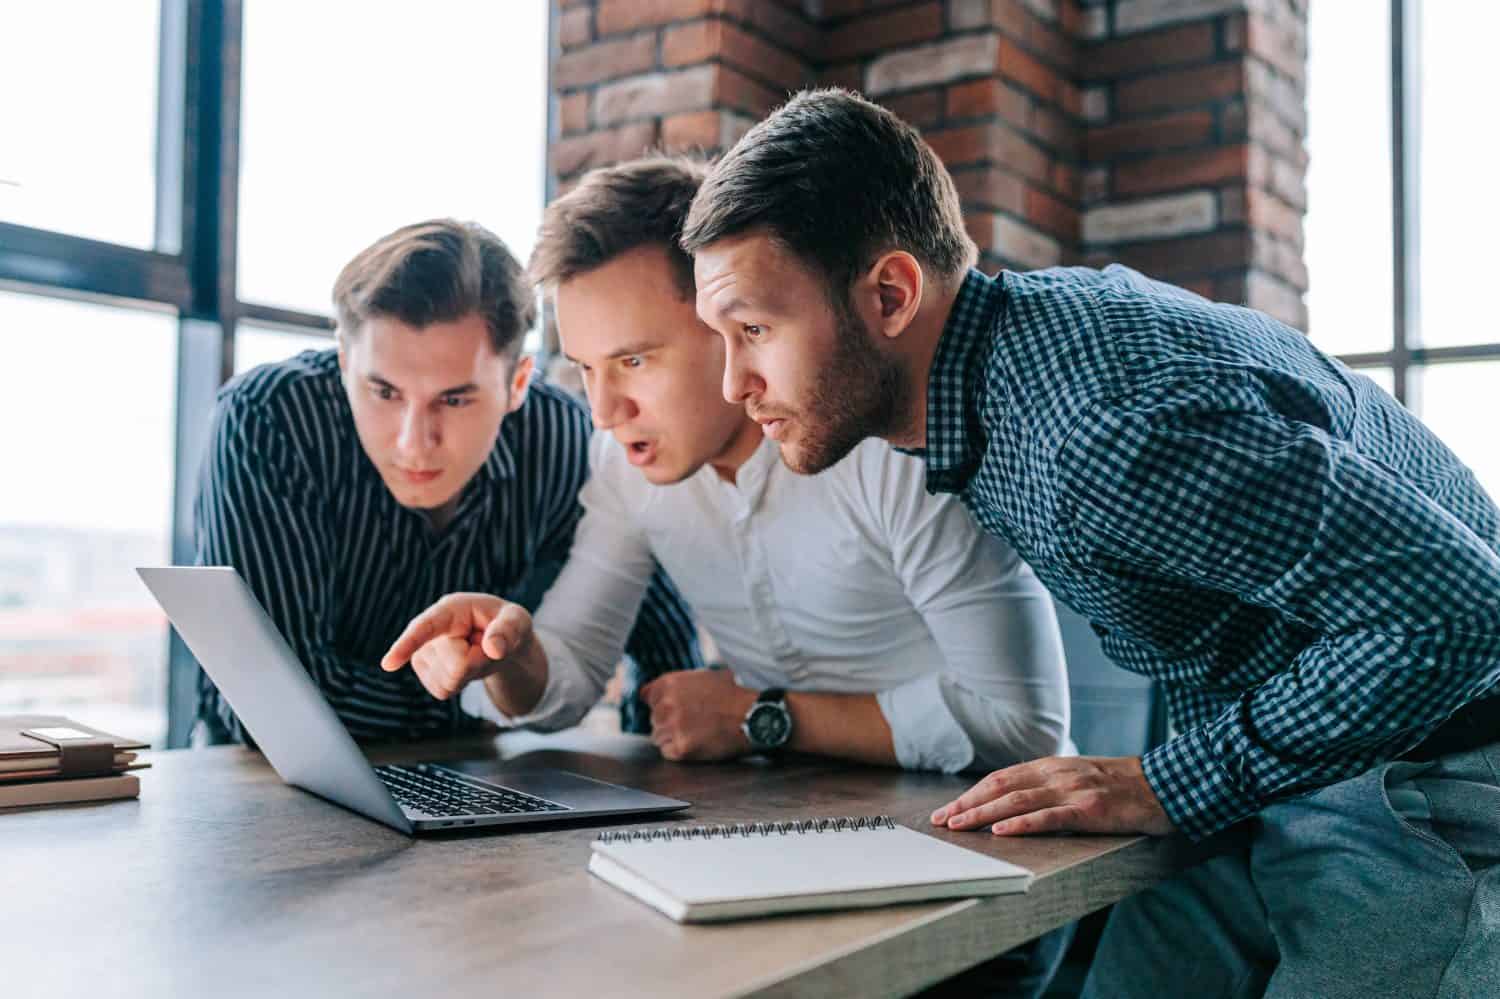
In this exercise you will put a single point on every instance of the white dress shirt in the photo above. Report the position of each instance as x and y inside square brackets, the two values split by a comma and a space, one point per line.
[851, 581]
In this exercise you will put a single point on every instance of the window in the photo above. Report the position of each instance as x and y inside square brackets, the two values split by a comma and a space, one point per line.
[79, 119]
[1461, 403]
[1348, 225]
[255, 345]
[339, 149]
[1420, 278]
[87, 396]
[119, 184]
[1459, 212]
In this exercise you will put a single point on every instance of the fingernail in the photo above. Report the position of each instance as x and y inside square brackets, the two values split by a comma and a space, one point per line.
[937, 816]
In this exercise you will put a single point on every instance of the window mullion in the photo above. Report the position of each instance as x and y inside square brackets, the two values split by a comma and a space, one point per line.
[1405, 190]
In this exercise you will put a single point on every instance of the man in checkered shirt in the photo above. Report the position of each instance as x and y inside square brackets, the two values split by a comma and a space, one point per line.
[1310, 574]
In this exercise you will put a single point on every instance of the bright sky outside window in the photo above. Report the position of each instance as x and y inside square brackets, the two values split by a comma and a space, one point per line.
[359, 118]
[86, 392]
[78, 118]
[1348, 224]
[1459, 209]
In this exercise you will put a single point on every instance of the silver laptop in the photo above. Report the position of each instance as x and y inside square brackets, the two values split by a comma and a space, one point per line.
[241, 649]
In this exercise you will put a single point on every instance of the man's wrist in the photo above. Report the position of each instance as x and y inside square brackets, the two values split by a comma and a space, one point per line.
[739, 709]
[516, 686]
[767, 724]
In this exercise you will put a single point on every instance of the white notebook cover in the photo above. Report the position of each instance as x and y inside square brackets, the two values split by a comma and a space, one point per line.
[710, 873]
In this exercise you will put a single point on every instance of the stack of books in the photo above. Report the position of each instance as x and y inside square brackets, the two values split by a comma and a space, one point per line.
[48, 760]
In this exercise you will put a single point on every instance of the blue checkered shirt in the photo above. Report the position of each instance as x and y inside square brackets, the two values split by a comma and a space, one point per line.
[1311, 575]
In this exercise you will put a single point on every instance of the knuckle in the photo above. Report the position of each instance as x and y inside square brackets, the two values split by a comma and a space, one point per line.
[1090, 804]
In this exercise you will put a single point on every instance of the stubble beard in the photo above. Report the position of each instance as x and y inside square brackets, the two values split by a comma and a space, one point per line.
[859, 393]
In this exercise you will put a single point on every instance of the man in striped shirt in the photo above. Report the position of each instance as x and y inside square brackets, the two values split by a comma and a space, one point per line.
[353, 487]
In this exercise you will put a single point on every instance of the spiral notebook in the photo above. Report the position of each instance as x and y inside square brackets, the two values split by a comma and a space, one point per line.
[710, 873]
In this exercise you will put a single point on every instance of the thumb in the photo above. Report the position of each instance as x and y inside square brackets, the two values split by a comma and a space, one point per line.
[508, 632]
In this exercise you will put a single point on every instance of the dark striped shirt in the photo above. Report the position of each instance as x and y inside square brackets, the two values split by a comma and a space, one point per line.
[289, 498]
[1311, 574]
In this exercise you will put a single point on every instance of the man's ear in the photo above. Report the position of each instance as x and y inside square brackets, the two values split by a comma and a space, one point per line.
[898, 282]
[520, 381]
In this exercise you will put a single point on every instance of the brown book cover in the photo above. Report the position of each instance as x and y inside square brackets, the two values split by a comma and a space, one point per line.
[57, 792]
[24, 757]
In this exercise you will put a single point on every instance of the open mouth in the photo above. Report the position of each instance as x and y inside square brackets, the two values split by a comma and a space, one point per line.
[640, 452]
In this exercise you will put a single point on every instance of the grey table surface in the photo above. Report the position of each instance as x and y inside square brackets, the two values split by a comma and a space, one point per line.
[221, 880]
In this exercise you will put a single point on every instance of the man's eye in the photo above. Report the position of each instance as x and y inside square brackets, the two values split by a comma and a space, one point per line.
[385, 392]
[753, 330]
[455, 401]
[634, 361]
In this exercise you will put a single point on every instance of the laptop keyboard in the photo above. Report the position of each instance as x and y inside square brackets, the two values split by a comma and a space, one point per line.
[443, 793]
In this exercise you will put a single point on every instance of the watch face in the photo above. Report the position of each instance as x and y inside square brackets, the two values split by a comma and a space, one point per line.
[770, 725]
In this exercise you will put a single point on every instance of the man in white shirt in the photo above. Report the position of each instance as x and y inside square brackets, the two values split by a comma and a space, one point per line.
[859, 617]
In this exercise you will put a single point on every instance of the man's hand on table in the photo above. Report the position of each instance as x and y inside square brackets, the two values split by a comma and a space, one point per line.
[461, 638]
[696, 714]
[1089, 794]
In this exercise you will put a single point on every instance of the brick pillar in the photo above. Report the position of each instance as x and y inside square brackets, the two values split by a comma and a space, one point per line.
[633, 75]
[1166, 134]
[991, 85]
[1195, 118]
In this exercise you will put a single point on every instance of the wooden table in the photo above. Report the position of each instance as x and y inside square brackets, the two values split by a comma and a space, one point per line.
[221, 880]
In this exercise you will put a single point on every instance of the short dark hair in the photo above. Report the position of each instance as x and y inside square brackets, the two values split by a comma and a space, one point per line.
[838, 181]
[615, 209]
[434, 272]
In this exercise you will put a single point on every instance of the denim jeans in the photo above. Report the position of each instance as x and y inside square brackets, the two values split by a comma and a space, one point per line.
[1387, 884]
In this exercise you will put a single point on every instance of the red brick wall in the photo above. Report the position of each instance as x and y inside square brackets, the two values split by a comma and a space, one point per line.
[1194, 146]
[991, 85]
[1161, 133]
[632, 75]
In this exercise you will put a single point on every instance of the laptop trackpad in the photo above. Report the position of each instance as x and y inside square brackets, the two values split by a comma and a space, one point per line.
[565, 788]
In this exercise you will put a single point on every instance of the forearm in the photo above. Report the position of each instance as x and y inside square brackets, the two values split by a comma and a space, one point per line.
[1277, 740]
[518, 686]
[847, 726]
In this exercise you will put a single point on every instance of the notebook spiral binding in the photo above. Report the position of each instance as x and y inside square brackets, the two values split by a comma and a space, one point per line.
[732, 829]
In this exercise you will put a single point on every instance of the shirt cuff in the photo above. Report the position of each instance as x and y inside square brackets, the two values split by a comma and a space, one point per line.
[566, 699]
[1200, 780]
[924, 731]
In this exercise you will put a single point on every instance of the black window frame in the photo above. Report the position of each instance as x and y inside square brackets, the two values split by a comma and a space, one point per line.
[193, 267]
[1407, 356]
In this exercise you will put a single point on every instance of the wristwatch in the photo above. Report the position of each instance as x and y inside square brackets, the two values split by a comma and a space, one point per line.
[768, 723]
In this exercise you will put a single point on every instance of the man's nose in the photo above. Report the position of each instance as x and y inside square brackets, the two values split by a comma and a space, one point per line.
[609, 406]
[740, 382]
[420, 431]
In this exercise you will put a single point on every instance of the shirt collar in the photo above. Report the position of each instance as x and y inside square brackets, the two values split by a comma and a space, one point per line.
[750, 478]
[954, 443]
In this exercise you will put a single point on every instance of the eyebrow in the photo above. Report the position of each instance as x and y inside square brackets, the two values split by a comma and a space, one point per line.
[465, 389]
[628, 350]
